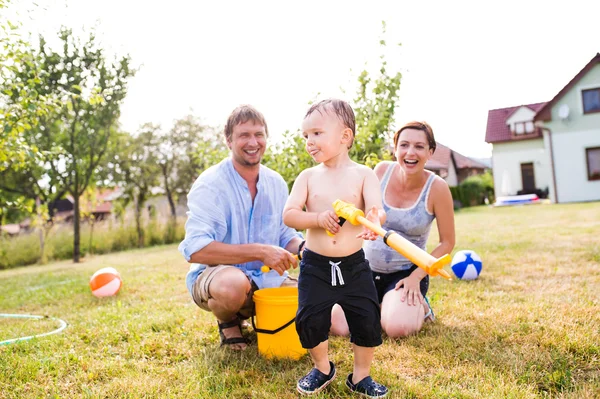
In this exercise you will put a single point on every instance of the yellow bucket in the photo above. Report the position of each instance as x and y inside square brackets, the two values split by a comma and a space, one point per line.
[275, 322]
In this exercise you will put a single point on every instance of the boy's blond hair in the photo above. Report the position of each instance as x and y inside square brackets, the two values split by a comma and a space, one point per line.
[341, 109]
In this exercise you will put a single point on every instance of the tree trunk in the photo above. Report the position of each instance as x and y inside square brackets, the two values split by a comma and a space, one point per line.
[92, 222]
[169, 194]
[76, 228]
[41, 229]
[139, 203]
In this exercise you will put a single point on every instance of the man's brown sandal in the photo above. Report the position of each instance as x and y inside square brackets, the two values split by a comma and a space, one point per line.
[232, 340]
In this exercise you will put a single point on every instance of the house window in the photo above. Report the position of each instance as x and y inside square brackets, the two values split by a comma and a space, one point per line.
[593, 163]
[591, 100]
[524, 127]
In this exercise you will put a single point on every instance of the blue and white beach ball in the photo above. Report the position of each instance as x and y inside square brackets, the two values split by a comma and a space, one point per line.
[466, 265]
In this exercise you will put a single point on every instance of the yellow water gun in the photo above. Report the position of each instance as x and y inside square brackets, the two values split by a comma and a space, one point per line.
[434, 267]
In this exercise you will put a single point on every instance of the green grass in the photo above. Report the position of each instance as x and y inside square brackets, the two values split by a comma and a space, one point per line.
[527, 328]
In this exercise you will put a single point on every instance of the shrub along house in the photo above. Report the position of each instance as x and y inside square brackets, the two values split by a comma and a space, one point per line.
[453, 167]
[553, 147]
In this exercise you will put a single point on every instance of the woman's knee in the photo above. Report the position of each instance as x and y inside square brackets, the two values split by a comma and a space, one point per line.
[401, 321]
[400, 328]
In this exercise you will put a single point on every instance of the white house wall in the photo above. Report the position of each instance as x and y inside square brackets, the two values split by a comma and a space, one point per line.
[452, 178]
[572, 182]
[507, 159]
[523, 114]
[570, 138]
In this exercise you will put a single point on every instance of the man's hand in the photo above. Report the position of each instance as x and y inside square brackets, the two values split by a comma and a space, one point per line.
[329, 221]
[372, 216]
[278, 259]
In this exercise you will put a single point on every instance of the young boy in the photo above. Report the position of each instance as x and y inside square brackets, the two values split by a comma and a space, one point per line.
[333, 268]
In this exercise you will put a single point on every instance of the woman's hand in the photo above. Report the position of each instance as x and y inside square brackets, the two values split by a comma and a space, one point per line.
[412, 290]
[367, 234]
[329, 221]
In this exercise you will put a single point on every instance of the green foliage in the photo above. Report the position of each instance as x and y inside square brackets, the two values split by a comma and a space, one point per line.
[188, 148]
[21, 104]
[138, 170]
[289, 157]
[474, 190]
[73, 137]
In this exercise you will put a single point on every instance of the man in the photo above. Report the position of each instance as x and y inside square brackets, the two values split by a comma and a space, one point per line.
[235, 226]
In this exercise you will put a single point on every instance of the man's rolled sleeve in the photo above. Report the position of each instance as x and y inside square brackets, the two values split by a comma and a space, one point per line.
[206, 222]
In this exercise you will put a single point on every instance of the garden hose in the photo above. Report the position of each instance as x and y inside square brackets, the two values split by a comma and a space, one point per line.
[63, 325]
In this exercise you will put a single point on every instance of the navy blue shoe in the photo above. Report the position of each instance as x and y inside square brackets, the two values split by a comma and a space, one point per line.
[367, 387]
[315, 381]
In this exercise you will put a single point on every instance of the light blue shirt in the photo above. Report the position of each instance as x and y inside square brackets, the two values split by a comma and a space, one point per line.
[220, 208]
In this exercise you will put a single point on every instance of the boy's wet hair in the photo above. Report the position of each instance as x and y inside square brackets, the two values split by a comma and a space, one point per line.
[422, 126]
[243, 114]
[341, 109]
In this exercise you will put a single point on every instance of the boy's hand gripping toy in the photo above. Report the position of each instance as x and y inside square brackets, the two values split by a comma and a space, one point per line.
[424, 260]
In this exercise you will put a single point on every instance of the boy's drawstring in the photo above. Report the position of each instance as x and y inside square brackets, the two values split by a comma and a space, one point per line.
[335, 268]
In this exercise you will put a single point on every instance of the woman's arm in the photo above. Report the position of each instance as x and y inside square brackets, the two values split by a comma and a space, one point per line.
[443, 209]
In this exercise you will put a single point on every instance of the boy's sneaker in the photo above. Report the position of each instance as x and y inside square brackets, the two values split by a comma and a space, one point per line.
[367, 387]
[315, 381]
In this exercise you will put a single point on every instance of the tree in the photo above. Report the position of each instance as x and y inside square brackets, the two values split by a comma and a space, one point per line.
[138, 170]
[289, 157]
[21, 105]
[374, 107]
[185, 151]
[76, 134]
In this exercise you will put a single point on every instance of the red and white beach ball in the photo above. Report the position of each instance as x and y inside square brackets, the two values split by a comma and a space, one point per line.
[105, 282]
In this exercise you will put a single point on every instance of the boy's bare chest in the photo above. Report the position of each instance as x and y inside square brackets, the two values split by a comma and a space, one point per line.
[324, 190]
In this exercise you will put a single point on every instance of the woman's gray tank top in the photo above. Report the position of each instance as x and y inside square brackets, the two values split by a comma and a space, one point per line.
[412, 223]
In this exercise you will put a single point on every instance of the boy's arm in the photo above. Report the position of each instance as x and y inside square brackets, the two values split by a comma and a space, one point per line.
[372, 196]
[295, 216]
[373, 205]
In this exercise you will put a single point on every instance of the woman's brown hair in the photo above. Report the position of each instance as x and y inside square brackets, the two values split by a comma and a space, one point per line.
[422, 126]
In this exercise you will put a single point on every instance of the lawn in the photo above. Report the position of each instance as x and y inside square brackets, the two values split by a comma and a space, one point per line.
[528, 327]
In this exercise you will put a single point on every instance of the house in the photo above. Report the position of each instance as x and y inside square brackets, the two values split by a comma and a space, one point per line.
[100, 206]
[452, 166]
[551, 147]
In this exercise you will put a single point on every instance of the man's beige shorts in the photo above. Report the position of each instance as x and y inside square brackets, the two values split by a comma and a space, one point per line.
[201, 289]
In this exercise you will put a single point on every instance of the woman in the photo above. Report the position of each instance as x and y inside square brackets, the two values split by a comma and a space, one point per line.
[412, 198]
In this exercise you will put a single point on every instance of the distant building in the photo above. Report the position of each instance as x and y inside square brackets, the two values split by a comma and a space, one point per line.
[452, 166]
[551, 148]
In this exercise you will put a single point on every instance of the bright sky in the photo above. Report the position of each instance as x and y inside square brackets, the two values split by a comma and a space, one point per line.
[459, 59]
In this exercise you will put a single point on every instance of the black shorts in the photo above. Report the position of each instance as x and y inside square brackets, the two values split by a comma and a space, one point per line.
[385, 282]
[347, 281]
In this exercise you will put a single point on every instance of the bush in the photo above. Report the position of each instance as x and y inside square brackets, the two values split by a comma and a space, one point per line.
[24, 249]
[474, 190]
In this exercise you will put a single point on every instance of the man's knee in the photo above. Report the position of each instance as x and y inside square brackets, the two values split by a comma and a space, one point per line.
[229, 288]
